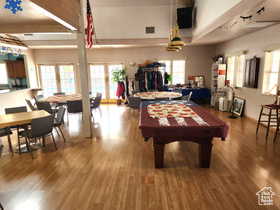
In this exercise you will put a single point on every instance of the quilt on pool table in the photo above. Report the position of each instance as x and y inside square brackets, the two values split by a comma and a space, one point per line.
[179, 120]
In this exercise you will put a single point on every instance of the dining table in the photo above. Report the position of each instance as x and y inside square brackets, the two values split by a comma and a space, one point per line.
[22, 118]
[62, 99]
[158, 95]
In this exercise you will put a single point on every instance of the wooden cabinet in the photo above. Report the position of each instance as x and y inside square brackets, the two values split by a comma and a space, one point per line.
[16, 69]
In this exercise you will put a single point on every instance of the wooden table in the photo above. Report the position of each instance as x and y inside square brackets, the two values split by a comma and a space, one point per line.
[181, 128]
[158, 95]
[63, 98]
[8, 120]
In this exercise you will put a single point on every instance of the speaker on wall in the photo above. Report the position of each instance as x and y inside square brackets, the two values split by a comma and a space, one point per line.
[185, 17]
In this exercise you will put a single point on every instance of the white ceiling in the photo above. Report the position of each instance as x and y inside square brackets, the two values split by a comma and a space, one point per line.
[123, 22]
[136, 3]
[236, 27]
[28, 15]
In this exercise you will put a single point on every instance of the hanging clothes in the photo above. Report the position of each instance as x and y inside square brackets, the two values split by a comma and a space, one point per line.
[121, 90]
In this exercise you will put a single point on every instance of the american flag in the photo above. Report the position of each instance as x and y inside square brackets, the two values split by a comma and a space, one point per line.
[90, 27]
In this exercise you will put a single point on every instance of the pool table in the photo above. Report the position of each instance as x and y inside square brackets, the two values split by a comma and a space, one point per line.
[200, 129]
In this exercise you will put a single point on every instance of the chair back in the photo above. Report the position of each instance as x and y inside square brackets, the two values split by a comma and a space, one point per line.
[38, 98]
[75, 106]
[97, 101]
[60, 115]
[30, 105]
[189, 96]
[59, 93]
[12, 110]
[44, 105]
[42, 126]
[134, 102]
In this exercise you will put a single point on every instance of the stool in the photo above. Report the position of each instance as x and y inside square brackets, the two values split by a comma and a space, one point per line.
[272, 117]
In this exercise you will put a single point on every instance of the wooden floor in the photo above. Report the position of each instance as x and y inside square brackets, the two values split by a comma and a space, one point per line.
[115, 170]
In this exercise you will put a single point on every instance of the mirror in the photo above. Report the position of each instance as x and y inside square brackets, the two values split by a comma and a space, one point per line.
[12, 73]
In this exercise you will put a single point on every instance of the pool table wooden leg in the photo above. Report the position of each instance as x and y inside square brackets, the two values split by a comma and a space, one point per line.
[205, 149]
[159, 155]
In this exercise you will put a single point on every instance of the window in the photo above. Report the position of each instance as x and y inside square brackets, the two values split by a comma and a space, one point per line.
[48, 79]
[97, 75]
[178, 72]
[3, 74]
[67, 78]
[113, 85]
[57, 78]
[176, 69]
[231, 69]
[167, 67]
[235, 70]
[240, 68]
[271, 72]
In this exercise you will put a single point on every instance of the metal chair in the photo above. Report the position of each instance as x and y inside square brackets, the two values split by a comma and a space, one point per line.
[40, 128]
[187, 97]
[38, 98]
[134, 102]
[13, 110]
[44, 105]
[30, 105]
[75, 106]
[58, 121]
[7, 132]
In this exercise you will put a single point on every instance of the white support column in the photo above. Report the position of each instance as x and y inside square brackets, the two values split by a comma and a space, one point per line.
[83, 69]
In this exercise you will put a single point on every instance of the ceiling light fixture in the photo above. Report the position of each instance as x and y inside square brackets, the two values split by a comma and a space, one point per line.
[52, 16]
[175, 43]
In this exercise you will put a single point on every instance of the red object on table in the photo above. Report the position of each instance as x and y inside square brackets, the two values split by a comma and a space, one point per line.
[194, 132]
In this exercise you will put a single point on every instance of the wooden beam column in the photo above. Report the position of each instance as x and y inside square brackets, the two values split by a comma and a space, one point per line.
[87, 124]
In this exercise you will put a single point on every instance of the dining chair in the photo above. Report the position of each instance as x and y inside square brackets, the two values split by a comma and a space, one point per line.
[75, 106]
[95, 104]
[40, 128]
[59, 120]
[187, 97]
[30, 105]
[13, 110]
[134, 102]
[38, 98]
[7, 132]
[59, 93]
[44, 105]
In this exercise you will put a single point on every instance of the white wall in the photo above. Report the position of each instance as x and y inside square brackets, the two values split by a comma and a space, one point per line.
[198, 58]
[255, 43]
[130, 22]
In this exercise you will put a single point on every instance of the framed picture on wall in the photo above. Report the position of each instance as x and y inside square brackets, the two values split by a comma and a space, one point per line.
[238, 106]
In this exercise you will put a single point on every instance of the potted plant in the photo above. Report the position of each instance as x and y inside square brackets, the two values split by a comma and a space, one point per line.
[119, 77]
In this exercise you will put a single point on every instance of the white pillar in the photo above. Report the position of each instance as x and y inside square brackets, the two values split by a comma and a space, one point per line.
[83, 69]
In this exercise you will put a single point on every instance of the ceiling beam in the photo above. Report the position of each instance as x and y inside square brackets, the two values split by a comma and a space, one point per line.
[66, 10]
[32, 28]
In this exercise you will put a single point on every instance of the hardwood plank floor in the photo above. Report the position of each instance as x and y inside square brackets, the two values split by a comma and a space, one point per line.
[115, 170]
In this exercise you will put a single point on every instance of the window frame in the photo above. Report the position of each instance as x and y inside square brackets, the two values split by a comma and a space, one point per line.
[270, 71]
[6, 73]
[172, 70]
[57, 74]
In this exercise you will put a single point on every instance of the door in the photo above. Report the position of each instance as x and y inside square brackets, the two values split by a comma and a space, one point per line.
[48, 79]
[97, 78]
[67, 79]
